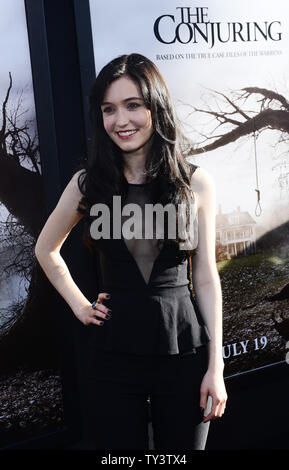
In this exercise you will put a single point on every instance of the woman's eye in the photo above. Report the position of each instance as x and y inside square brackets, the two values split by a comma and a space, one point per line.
[107, 109]
[133, 105]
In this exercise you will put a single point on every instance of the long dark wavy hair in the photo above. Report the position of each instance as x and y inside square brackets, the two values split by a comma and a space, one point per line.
[167, 168]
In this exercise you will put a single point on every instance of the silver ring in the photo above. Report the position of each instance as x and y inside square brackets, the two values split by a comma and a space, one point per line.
[94, 304]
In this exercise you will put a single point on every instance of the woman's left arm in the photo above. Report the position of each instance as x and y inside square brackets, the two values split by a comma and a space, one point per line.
[208, 293]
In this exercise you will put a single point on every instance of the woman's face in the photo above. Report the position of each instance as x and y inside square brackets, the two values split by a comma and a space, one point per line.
[126, 119]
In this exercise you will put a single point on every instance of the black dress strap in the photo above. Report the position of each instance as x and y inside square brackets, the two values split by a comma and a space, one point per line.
[193, 168]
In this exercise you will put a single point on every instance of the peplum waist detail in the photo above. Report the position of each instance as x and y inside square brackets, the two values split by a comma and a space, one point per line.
[159, 317]
[160, 321]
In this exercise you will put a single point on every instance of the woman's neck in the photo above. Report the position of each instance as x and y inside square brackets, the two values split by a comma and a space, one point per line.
[135, 162]
[134, 168]
[135, 174]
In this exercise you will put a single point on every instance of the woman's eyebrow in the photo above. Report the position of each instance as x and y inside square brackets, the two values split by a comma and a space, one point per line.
[134, 98]
[127, 99]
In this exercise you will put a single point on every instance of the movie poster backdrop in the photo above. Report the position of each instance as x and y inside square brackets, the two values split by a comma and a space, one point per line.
[227, 68]
[30, 383]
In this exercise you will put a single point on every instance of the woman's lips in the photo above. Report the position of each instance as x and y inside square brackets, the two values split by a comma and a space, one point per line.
[124, 135]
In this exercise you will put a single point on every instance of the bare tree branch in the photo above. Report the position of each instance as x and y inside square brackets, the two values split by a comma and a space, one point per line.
[3, 129]
[221, 117]
[268, 117]
[21, 189]
[268, 94]
[237, 109]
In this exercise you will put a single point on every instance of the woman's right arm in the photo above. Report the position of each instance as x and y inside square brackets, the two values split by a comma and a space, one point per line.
[47, 251]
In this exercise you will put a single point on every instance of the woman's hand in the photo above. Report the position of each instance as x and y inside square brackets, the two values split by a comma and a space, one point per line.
[94, 314]
[213, 385]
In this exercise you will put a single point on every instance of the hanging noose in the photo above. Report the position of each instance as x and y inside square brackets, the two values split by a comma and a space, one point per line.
[258, 209]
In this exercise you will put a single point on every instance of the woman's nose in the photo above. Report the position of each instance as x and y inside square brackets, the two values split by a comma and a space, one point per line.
[121, 118]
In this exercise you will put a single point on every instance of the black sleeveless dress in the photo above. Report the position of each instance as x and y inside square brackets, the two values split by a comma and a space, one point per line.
[153, 310]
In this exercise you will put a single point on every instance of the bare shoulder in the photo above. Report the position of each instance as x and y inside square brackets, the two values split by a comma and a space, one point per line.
[203, 186]
[201, 180]
[73, 187]
[70, 197]
[78, 177]
[62, 219]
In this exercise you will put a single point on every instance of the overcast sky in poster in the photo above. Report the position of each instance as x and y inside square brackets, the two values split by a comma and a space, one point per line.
[14, 53]
[127, 26]
[15, 58]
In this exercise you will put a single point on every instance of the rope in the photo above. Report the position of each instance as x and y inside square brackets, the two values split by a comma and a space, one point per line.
[258, 209]
[191, 275]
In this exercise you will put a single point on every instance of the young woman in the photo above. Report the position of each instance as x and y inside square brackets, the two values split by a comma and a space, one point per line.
[150, 336]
